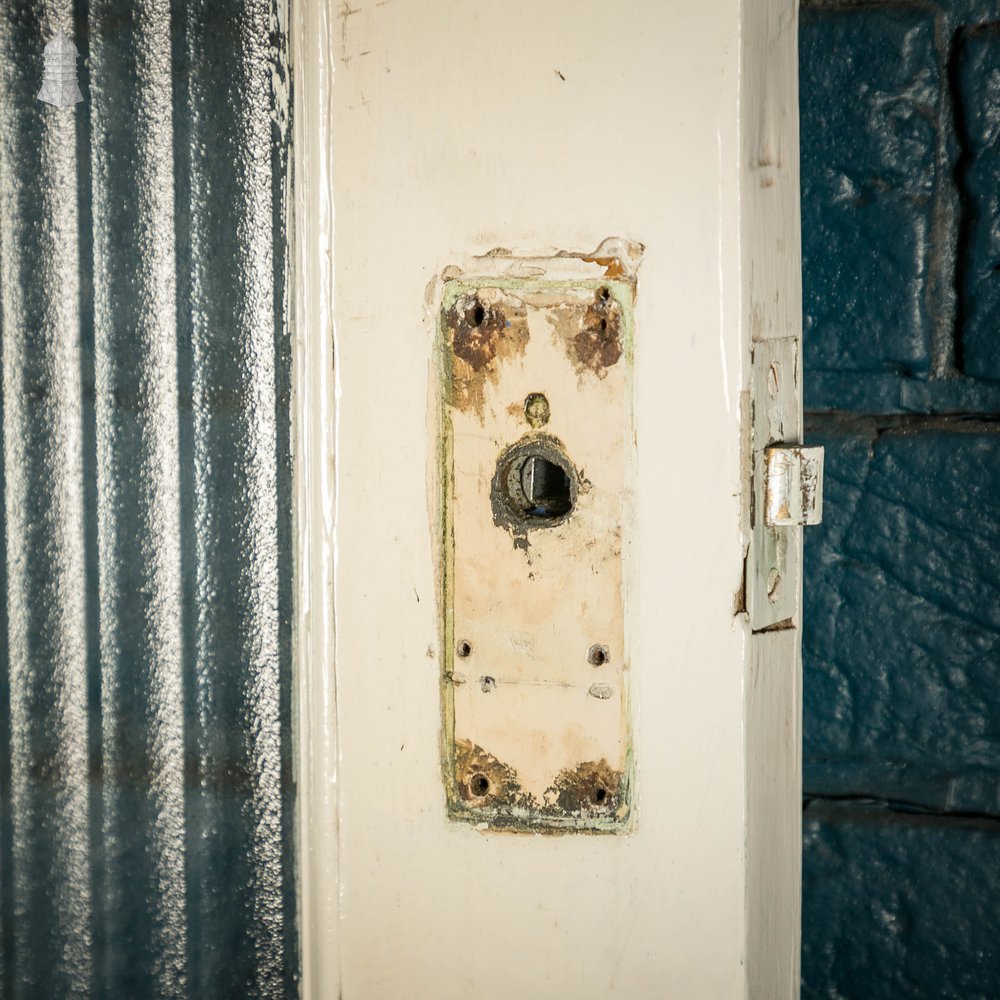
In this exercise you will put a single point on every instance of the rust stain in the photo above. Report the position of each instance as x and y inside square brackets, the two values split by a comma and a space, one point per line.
[485, 788]
[477, 327]
[482, 781]
[599, 343]
[484, 329]
[593, 335]
[591, 788]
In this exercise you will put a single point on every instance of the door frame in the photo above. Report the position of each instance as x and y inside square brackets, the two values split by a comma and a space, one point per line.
[758, 254]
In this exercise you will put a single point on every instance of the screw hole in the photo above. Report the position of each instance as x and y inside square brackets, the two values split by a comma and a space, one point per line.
[464, 649]
[479, 785]
[605, 294]
[536, 409]
[600, 795]
[774, 380]
[478, 314]
[597, 655]
[488, 684]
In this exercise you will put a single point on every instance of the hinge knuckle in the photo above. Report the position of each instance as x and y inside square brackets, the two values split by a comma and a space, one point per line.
[793, 486]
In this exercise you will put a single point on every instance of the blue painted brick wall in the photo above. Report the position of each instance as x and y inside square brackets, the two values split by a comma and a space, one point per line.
[978, 83]
[870, 166]
[898, 906]
[900, 117]
[902, 639]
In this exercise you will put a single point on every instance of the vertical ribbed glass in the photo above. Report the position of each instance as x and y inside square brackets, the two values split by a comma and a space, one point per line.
[145, 545]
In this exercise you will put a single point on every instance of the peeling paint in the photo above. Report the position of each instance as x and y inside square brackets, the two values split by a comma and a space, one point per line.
[482, 780]
[591, 797]
[619, 257]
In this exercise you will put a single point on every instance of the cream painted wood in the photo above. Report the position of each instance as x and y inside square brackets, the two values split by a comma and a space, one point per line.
[772, 309]
[454, 128]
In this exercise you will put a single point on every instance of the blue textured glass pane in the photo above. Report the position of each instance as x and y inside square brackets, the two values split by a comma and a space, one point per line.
[146, 801]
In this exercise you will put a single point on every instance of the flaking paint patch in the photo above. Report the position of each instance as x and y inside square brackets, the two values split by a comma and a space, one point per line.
[481, 780]
[592, 788]
[619, 257]
[590, 798]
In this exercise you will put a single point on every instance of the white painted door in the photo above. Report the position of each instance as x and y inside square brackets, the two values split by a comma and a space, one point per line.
[427, 134]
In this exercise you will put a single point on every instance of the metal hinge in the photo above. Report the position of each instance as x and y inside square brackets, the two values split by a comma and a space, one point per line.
[787, 487]
[793, 486]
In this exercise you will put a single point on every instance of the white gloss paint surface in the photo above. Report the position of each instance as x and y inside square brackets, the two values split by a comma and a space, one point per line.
[456, 128]
[313, 428]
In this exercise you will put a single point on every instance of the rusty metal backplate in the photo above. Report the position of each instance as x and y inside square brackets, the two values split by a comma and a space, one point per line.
[536, 465]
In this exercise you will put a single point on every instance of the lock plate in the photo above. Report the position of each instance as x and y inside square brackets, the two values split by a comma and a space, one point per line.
[536, 467]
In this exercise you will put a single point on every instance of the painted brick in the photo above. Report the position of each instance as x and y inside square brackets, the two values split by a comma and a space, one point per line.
[901, 635]
[898, 905]
[869, 92]
[902, 584]
[830, 391]
[978, 101]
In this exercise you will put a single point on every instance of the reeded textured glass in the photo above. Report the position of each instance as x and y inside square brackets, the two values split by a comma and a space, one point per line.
[146, 802]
